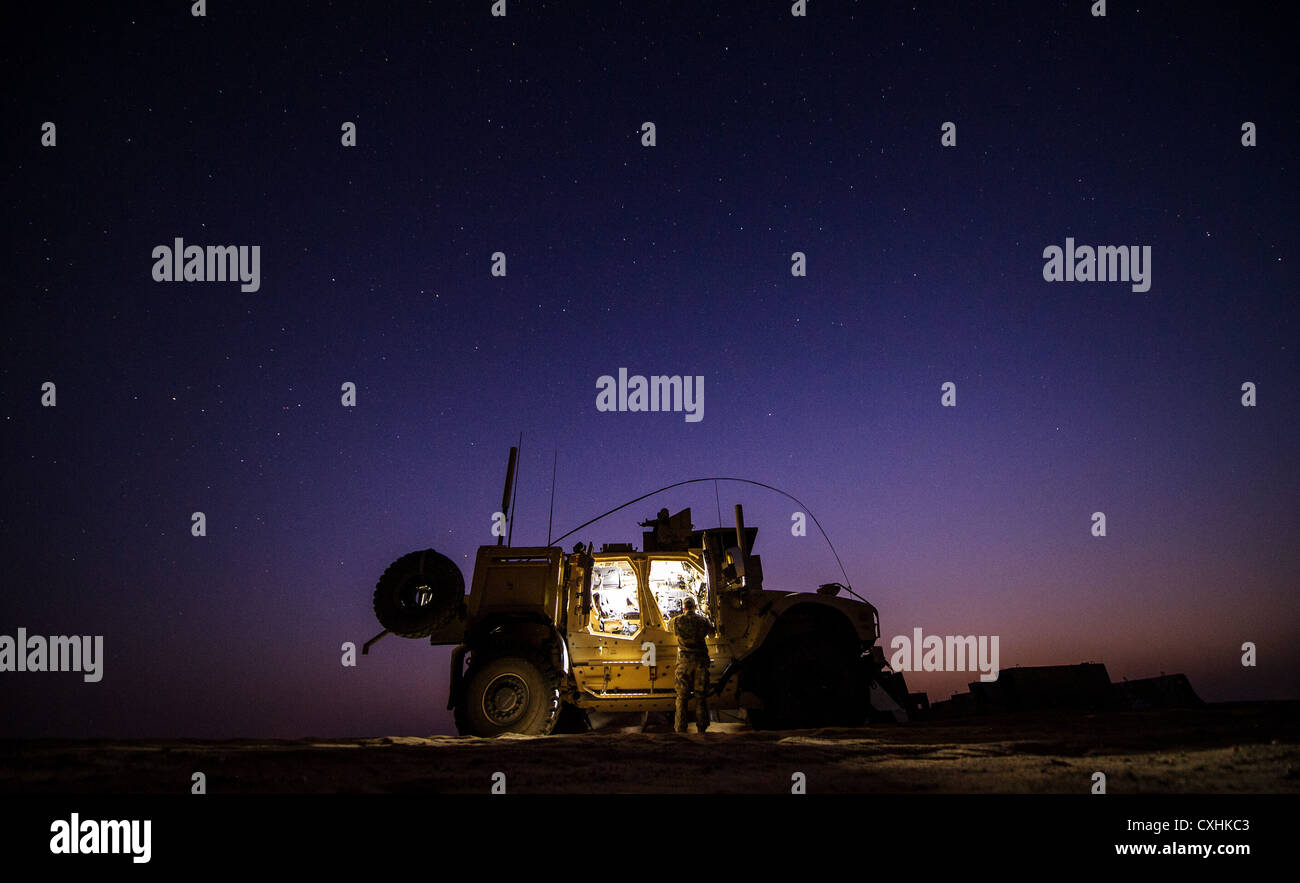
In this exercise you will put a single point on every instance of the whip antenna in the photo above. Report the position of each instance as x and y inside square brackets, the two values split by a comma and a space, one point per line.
[551, 514]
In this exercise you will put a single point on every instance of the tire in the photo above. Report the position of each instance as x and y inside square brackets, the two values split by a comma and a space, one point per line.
[516, 693]
[810, 683]
[418, 594]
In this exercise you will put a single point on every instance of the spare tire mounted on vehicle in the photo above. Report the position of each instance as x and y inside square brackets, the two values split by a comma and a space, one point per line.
[418, 594]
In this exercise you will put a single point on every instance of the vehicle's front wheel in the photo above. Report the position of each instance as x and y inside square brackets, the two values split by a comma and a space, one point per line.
[811, 683]
[509, 694]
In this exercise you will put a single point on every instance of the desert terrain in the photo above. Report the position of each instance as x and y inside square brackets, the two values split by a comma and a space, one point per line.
[1226, 748]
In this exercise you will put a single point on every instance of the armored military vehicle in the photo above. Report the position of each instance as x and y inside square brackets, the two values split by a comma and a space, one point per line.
[545, 636]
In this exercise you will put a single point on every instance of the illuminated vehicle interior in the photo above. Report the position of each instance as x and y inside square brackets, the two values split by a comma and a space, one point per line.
[672, 581]
[615, 604]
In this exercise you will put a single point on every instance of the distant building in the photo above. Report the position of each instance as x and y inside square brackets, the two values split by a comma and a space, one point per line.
[1083, 687]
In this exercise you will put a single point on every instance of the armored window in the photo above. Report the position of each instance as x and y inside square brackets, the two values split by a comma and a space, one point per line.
[672, 581]
[615, 602]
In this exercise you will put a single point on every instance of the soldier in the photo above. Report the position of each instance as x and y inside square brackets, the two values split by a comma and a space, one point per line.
[692, 665]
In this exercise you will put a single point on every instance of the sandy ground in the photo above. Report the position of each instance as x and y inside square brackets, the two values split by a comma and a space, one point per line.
[1238, 748]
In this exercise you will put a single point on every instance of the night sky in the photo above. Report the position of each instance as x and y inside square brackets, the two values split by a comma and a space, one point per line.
[522, 134]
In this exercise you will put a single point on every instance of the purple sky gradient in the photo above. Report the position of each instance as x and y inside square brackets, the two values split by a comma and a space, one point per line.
[925, 266]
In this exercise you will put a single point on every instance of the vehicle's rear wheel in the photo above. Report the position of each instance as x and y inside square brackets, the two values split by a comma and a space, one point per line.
[518, 693]
[418, 594]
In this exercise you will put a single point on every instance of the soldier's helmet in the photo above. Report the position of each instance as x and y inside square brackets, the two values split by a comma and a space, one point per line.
[688, 604]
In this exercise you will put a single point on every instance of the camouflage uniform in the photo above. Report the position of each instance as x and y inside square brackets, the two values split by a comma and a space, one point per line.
[692, 668]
